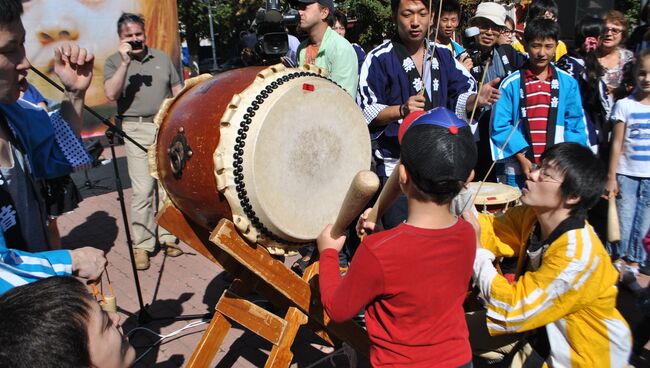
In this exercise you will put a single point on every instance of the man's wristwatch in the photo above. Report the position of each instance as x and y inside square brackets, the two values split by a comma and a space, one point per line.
[403, 110]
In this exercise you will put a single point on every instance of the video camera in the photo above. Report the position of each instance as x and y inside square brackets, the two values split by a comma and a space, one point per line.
[472, 47]
[272, 41]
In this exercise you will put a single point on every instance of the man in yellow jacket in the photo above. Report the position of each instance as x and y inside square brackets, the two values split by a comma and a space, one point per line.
[565, 290]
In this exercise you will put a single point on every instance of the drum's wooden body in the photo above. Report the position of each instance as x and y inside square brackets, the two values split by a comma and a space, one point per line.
[198, 111]
[272, 149]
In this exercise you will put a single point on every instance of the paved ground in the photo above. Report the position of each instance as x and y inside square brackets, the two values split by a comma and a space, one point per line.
[186, 285]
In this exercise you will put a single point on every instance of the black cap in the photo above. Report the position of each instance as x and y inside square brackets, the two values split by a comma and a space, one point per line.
[438, 146]
[326, 3]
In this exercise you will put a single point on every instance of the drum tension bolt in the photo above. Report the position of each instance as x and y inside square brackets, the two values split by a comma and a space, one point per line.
[179, 152]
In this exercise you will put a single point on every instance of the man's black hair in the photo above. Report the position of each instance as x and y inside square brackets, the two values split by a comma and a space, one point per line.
[430, 154]
[541, 29]
[584, 174]
[129, 18]
[10, 10]
[394, 5]
[45, 324]
[539, 7]
[450, 6]
[340, 17]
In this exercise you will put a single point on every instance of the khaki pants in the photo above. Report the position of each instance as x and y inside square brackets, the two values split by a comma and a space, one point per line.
[493, 349]
[143, 223]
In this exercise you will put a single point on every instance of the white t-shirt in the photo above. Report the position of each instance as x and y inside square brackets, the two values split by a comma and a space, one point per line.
[635, 155]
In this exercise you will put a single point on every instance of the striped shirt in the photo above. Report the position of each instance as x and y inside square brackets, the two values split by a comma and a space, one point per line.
[19, 268]
[538, 99]
[635, 156]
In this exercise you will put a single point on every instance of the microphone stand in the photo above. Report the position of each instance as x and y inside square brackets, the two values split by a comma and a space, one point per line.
[143, 316]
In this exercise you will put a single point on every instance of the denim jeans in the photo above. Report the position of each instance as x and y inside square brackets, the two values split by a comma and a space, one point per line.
[633, 205]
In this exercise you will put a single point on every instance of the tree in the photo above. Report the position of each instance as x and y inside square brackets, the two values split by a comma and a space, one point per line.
[230, 18]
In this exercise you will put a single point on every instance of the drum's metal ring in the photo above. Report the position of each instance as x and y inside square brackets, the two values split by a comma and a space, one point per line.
[240, 143]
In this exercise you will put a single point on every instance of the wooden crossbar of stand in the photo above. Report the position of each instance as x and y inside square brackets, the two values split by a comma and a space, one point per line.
[255, 270]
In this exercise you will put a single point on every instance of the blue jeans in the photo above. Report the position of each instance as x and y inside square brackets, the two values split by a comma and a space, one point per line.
[633, 205]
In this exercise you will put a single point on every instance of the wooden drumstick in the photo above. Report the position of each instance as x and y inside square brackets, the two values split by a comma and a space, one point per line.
[387, 196]
[363, 187]
[613, 230]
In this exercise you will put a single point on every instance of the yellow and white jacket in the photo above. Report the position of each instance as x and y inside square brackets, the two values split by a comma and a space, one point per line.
[570, 289]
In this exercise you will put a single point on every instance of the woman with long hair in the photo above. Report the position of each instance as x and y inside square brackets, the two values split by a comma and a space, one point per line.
[582, 63]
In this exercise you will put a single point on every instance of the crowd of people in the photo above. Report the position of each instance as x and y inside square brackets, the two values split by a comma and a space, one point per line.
[566, 125]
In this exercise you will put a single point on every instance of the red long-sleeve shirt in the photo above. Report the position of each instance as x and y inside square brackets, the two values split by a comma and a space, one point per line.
[412, 282]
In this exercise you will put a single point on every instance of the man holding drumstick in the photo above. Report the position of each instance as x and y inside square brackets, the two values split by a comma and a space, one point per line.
[401, 76]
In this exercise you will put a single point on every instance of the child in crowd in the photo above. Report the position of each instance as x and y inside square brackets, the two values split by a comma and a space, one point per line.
[414, 312]
[629, 167]
[544, 9]
[55, 322]
[541, 101]
[507, 33]
[447, 25]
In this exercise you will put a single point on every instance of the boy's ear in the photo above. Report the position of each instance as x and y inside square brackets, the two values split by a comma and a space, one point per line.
[572, 200]
[470, 177]
[403, 175]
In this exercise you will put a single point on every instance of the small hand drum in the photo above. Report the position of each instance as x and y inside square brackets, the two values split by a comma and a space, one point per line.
[494, 198]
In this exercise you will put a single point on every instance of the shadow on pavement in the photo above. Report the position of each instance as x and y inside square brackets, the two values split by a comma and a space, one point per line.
[99, 231]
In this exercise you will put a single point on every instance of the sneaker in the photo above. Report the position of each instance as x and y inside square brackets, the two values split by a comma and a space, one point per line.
[619, 264]
[645, 269]
[141, 259]
[172, 250]
[634, 270]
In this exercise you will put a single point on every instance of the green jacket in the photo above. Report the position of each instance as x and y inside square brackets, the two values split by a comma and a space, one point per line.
[336, 55]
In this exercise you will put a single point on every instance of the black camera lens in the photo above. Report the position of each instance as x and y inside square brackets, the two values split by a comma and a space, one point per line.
[136, 45]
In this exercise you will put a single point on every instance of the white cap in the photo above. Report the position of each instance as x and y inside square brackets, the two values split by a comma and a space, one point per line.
[494, 12]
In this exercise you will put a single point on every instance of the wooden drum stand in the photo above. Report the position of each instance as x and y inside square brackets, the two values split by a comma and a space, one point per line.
[254, 269]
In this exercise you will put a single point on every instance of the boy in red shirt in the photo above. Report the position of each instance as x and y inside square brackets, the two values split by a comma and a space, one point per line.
[412, 279]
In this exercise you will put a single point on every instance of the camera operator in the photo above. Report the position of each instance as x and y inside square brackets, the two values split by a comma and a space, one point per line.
[490, 20]
[139, 78]
[324, 47]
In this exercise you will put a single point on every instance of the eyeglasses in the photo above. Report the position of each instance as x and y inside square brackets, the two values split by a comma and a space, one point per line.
[614, 31]
[506, 31]
[338, 28]
[544, 176]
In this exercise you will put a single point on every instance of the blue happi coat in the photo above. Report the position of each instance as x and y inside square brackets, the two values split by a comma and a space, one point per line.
[383, 82]
[570, 126]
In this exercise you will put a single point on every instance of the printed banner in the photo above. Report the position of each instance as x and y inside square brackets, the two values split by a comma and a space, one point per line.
[93, 25]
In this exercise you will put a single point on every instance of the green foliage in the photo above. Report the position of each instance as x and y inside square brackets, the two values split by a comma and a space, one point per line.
[631, 9]
[374, 21]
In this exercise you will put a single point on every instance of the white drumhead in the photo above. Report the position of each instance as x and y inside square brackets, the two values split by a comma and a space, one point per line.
[494, 193]
[303, 147]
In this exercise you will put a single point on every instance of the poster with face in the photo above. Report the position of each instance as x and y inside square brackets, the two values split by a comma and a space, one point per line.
[93, 25]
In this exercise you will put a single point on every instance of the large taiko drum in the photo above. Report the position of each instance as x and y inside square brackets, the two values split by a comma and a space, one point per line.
[494, 198]
[273, 149]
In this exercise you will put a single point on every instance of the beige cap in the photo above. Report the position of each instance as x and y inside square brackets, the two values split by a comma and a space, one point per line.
[496, 13]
